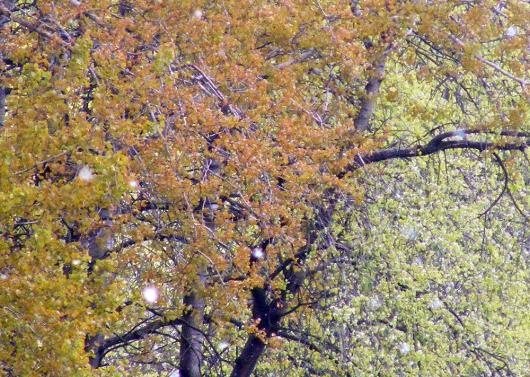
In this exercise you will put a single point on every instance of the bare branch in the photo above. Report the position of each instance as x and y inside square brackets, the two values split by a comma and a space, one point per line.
[438, 144]
[504, 188]
[496, 67]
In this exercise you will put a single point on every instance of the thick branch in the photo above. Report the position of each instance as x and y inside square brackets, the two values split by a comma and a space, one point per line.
[247, 360]
[362, 121]
[267, 316]
[438, 144]
[267, 312]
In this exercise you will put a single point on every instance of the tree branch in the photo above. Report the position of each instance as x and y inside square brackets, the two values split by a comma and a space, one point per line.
[103, 347]
[36, 28]
[485, 61]
[437, 144]
[505, 189]
[362, 121]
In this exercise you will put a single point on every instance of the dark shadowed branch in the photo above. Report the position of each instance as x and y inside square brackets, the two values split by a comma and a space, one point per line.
[440, 143]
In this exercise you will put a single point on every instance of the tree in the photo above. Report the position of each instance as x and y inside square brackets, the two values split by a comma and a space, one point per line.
[195, 186]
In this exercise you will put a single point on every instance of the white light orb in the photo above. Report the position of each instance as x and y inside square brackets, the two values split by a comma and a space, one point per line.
[85, 174]
[258, 253]
[150, 294]
[511, 31]
[404, 348]
[223, 345]
[375, 303]
[436, 304]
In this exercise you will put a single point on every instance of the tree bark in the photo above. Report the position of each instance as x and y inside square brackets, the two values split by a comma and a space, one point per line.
[266, 314]
[2, 105]
[247, 360]
[362, 121]
[265, 311]
[191, 337]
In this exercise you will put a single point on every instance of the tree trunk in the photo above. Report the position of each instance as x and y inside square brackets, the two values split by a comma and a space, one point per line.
[247, 360]
[268, 317]
[92, 344]
[2, 105]
[266, 311]
[191, 337]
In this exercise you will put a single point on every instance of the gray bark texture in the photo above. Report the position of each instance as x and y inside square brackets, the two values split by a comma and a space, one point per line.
[2, 105]
[191, 337]
[362, 121]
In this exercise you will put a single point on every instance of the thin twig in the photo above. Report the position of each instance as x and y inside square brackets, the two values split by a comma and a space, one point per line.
[40, 163]
[504, 188]
[36, 28]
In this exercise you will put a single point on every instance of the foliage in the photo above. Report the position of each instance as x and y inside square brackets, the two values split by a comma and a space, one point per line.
[221, 155]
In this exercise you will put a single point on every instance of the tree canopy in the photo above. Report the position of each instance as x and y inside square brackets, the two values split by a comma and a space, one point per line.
[268, 188]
